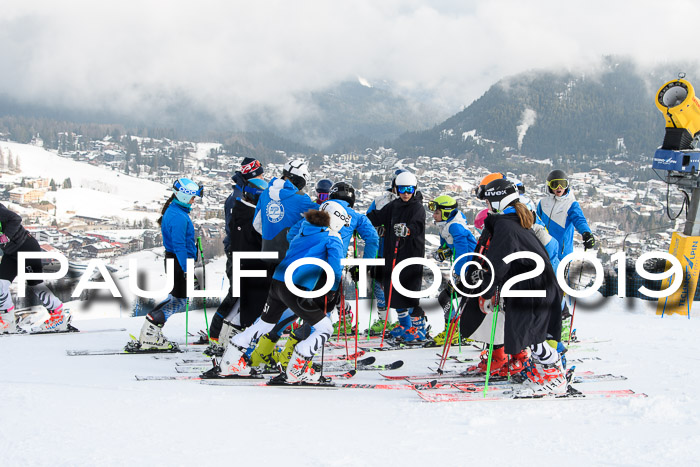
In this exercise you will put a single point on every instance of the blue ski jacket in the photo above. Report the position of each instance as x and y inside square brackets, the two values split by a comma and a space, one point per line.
[178, 232]
[560, 216]
[312, 241]
[455, 234]
[280, 207]
[359, 223]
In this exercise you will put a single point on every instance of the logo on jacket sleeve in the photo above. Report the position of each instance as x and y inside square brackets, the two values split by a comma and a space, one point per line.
[274, 211]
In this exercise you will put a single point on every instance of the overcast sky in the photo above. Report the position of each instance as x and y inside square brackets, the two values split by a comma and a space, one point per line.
[229, 55]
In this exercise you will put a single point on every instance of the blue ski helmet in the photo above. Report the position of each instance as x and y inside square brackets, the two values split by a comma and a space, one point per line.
[185, 189]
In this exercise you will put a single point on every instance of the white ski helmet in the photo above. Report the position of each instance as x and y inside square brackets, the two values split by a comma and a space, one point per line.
[406, 179]
[339, 216]
[297, 172]
[185, 189]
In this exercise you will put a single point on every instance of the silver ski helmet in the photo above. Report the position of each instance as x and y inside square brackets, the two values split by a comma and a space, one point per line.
[297, 172]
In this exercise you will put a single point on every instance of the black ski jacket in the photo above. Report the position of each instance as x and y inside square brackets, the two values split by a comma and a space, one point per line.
[243, 237]
[12, 227]
[412, 213]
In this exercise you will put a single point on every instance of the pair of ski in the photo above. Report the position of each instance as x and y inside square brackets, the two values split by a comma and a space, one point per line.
[495, 394]
[459, 378]
[71, 330]
[365, 364]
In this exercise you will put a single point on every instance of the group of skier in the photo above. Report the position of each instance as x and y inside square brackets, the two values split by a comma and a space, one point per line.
[282, 222]
[280, 218]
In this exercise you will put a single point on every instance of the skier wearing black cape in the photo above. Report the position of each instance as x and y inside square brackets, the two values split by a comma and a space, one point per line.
[529, 320]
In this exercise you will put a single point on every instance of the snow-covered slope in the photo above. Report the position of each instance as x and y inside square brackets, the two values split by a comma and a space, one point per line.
[97, 191]
[63, 410]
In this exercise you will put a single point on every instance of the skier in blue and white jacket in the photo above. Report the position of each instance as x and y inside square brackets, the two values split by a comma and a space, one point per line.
[281, 206]
[179, 242]
[318, 237]
[561, 214]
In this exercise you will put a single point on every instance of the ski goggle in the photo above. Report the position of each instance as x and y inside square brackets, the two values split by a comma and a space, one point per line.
[250, 167]
[179, 187]
[558, 183]
[323, 197]
[433, 206]
[406, 189]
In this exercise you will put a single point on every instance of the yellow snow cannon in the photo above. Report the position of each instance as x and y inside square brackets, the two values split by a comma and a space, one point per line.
[681, 108]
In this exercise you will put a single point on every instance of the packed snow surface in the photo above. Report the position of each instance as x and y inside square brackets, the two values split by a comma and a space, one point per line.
[66, 410]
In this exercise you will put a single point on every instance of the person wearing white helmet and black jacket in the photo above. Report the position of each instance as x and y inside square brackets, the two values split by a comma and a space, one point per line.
[319, 238]
[530, 319]
[404, 233]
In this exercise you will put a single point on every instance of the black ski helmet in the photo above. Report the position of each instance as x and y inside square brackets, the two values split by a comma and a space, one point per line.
[344, 191]
[501, 193]
[557, 175]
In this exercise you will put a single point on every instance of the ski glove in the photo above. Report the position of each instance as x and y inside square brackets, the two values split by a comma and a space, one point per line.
[588, 240]
[354, 272]
[401, 230]
[4, 240]
[443, 253]
[479, 275]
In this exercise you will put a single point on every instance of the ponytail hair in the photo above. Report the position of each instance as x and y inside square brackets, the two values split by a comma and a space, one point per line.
[526, 218]
[165, 208]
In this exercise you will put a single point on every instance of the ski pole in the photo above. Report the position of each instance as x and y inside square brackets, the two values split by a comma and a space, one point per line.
[573, 310]
[371, 305]
[388, 303]
[204, 282]
[187, 320]
[493, 337]
[357, 301]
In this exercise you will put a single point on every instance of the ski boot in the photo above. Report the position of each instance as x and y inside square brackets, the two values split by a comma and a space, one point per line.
[217, 346]
[234, 362]
[405, 323]
[299, 370]
[497, 361]
[264, 357]
[286, 354]
[516, 364]
[8, 323]
[377, 327]
[59, 321]
[442, 337]
[417, 332]
[152, 338]
[550, 379]
[346, 328]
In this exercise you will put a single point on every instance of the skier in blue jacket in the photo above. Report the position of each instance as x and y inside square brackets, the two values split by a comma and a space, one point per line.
[281, 206]
[344, 194]
[561, 214]
[179, 242]
[319, 238]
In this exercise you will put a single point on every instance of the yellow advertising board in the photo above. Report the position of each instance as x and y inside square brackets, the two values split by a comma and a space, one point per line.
[687, 250]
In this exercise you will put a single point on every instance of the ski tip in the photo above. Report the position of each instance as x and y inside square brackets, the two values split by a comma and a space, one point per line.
[395, 365]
